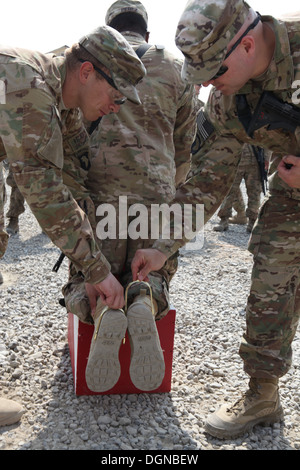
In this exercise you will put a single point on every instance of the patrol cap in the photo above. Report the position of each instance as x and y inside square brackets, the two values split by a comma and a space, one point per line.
[110, 48]
[126, 6]
[203, 33]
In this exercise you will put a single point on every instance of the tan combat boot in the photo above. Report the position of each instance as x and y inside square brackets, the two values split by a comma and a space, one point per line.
[13, 226]
[239, 219]
[222, 226]
[103, 367]
[10, 412]
[147, 365]
[259, 405]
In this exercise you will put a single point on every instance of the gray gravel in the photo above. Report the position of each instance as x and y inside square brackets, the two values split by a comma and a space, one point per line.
[209, 293]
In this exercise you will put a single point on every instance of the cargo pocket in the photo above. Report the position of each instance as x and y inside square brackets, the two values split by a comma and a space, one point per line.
[256, 235]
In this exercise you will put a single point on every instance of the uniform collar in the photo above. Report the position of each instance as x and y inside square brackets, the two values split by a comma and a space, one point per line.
[62, 68]
[133, 38]
[280, 73]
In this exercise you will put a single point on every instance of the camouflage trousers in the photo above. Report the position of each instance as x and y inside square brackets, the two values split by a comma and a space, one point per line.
[16, 205]
[3, 234]
[248, 171]
[234, 200]
[120, 253]
[273, 307]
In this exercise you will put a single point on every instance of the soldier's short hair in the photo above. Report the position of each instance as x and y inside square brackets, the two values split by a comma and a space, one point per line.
[129, 22]
[104, 46]
[76, 54]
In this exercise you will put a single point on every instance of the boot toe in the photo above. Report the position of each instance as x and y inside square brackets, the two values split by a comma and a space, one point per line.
[219, 425]
[10, 412]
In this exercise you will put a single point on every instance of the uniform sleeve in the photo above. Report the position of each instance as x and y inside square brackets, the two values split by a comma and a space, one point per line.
[210, 178]
[77, 161]
[33, 140]
[184, 133]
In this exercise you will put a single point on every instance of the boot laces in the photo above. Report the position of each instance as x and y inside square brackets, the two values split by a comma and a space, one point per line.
[244, 402]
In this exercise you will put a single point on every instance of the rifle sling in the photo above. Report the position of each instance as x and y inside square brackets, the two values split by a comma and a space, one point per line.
[243, 111]
[142, 49]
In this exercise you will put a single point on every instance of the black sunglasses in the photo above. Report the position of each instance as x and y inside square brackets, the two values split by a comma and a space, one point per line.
[223, 69]
[109, 80]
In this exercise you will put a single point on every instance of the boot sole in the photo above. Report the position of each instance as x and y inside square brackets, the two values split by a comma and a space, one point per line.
[103, 367]
[13, 419]
[232, 434]
[147, 366]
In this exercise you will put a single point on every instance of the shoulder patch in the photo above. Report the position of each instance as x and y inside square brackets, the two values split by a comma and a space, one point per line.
[204, 130]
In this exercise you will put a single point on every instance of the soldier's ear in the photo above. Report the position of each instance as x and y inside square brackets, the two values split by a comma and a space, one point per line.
[86, 69]
[248, 43]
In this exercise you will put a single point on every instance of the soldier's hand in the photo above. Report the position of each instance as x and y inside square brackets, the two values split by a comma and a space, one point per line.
[290, 174]
[145, 261]
[110, 291]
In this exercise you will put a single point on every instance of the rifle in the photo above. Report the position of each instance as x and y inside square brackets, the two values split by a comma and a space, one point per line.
[58, 263]
[260, 157]
[270, 111]
[275, 113]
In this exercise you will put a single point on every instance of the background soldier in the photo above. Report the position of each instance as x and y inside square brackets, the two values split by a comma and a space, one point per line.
[253, 175]
[242, 54]
[142, 154]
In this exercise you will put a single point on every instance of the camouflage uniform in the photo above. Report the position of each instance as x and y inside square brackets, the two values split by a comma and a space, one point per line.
[274, 302]
[38, 131]
[143, 152]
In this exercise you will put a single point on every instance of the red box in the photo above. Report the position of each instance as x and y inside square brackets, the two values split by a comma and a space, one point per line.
[79, 339]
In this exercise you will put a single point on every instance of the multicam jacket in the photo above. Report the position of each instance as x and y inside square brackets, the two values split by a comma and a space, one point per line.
[144, 151]
[38, 132]
[216, 158]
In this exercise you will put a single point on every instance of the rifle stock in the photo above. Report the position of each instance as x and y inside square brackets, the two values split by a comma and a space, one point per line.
[274, 113]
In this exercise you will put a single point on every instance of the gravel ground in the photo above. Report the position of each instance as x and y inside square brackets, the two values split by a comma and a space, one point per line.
[209, 293]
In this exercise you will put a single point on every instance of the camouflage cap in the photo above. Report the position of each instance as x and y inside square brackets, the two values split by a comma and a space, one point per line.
[203, 33]
[126, 6]
[110, 48]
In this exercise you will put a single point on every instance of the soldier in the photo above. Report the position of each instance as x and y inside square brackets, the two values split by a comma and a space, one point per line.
[69, 83]
[41, 97]
[249, 170]
[242, 54]
[141, 154]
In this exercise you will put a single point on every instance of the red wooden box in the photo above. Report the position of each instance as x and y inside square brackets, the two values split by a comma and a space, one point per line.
[79, 339]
